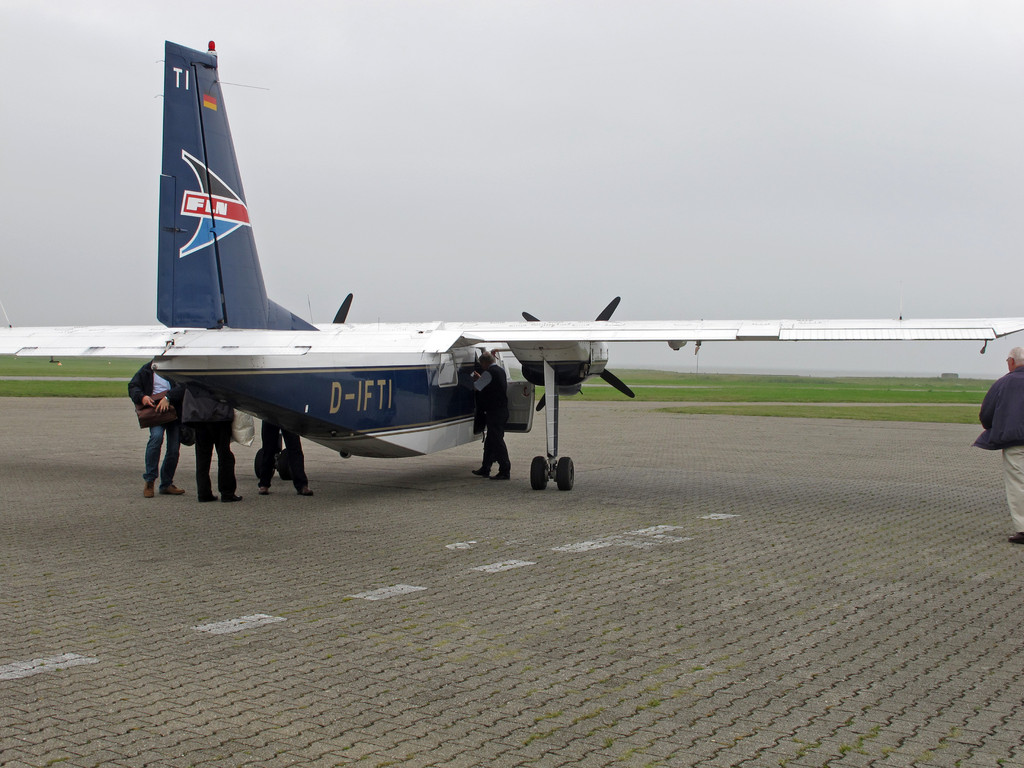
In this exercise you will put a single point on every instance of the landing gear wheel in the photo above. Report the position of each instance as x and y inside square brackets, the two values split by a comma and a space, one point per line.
[539, 473]
[565, 474]
[283, 469]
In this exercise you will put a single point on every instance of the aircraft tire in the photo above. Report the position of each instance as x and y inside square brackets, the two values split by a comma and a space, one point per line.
[539, 473]
[565, 474]
[283, 469]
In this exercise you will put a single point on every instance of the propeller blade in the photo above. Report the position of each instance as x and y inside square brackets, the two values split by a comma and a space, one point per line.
[616, 382]
[343, 310]
[607, 313]
[540, 403]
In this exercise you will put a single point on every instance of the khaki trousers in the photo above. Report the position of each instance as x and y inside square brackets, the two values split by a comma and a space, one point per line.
[1013, 476]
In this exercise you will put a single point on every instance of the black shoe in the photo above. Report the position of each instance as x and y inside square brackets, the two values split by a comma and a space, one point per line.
[304, 492]
[264, 490]
[226, 498]
[1017, 538]
[502, 476]
[208, 498]
[482, 472]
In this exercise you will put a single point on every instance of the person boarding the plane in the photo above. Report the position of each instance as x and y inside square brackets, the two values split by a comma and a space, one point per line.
[272, 435]
[1002, 416]
[491, 385]
[149, 388]
[211, 420]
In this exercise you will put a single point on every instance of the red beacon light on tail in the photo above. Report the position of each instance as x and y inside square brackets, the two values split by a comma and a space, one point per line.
[212, 48]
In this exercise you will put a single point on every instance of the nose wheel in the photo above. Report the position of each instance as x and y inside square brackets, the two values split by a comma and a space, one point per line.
[543, 469]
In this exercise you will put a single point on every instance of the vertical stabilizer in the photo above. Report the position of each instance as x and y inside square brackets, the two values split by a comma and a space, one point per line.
[209, 272]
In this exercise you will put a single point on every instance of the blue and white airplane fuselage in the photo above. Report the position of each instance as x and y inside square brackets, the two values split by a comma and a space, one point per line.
[358, 401]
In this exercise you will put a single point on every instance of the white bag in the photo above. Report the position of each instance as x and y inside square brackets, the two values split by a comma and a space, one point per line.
[243, 428]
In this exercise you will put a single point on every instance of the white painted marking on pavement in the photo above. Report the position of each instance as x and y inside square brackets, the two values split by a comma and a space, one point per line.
[505, 565]
[237, 625]
[585, 546]
[386, 592]
[717, 516]
[656, 530]
[460, 545]
[641, 539]
[35, 666]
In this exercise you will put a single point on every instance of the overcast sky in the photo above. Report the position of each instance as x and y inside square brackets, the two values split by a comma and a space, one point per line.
[468, 160]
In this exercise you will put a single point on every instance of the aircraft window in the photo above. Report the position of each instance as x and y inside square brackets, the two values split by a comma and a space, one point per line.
[447, 372]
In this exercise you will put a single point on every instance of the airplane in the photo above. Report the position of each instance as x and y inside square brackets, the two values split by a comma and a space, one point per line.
[378, 390]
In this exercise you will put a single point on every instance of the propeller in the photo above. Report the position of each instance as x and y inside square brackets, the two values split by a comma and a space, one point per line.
[342, 315]
[609, 377]
[616, 382]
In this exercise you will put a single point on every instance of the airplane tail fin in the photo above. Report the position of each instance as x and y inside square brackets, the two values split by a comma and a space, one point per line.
[209, 272]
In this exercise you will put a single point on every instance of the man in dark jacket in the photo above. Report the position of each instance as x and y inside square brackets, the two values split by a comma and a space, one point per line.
[491, 385]
[149, 388]
[1002, 416]
[211, 420]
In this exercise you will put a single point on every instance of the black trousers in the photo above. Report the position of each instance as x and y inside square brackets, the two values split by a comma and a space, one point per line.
[495, 449]
[271, 435]
[211, 435]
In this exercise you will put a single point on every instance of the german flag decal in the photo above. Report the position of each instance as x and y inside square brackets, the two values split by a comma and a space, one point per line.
[210, 101]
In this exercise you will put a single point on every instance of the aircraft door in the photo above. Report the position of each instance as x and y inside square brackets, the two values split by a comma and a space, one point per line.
[520, 406]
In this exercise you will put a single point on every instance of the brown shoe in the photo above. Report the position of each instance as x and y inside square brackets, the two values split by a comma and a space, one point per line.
[171, 490]
[1017, 538]
[147, 490]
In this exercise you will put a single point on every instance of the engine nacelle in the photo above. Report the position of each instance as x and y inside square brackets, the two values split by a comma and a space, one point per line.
[573, 363]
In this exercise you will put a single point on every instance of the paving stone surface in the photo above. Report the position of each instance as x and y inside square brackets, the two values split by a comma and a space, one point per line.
[716, 591]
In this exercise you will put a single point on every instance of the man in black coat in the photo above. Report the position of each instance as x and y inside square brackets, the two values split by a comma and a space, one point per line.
[211, 420]
[491, 385]
[1002, 416]
[149, 388]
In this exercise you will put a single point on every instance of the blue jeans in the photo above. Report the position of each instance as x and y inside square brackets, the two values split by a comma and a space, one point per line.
[156, 440]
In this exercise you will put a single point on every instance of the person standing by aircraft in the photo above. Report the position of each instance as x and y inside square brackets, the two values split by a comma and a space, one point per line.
[1002, 416]
[271, 434]
[491, 385]
[149, 388]
[211, 420]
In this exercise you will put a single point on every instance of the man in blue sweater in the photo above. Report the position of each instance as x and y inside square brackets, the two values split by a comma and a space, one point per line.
[1002, 416]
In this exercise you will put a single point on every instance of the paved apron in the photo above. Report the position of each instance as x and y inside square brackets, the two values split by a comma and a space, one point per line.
[716, 591]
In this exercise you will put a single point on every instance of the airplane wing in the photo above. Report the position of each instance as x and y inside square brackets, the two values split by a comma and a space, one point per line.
[679, 332]
[154, 341]
[150, 341]
[85, 341]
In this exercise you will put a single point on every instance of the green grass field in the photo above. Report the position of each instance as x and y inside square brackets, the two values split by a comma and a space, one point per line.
[952, 401]
[113, 368]
[116, 372]
[659, 386]
[937, 400]
[940, 414]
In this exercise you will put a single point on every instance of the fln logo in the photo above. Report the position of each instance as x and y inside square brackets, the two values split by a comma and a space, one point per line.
[219, 208]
